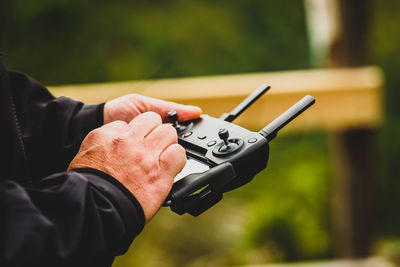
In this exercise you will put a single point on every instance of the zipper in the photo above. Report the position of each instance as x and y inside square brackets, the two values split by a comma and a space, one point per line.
[20, 142]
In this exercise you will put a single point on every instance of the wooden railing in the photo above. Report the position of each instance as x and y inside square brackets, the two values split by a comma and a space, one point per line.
[345, 97]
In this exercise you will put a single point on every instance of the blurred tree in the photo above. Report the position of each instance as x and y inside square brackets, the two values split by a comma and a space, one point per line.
[385, 50]
[86, 41]
[342, 42]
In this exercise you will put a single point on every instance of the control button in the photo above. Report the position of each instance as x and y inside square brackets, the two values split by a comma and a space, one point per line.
[252, 140]
[187, 134]
[211, 143]
[202, 137]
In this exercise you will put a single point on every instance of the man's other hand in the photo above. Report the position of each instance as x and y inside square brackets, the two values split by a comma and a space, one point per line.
[142, 154]
[127, 107]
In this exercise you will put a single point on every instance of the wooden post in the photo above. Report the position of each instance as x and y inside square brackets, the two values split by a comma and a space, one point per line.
[338, 31]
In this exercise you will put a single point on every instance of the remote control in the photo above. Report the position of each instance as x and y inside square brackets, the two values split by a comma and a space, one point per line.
[222, 156]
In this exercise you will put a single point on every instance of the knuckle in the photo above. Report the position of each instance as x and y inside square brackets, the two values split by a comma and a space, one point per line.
[180, 150]
[133, 96]
[169, 130]
[117, 124]
[153, 116]
[92, 135]
[176, 152]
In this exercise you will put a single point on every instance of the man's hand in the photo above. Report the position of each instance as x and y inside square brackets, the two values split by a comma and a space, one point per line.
[142, 154]
[127, 107]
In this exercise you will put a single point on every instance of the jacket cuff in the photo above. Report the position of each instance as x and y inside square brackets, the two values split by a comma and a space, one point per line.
[100, 114]
[91, 116]
[133, 216]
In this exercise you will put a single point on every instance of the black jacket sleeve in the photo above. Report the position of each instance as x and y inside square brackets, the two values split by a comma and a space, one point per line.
[52, 128]
[77, 218]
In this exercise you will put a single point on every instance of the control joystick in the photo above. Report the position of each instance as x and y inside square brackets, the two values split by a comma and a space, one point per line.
[224, 135]
[228, 146]
[173, 118]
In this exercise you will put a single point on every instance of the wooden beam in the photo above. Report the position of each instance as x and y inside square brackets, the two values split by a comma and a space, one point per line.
[346, 97]
[343, 42]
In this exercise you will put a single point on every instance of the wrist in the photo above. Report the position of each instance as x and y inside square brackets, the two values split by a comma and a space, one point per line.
[124, 202]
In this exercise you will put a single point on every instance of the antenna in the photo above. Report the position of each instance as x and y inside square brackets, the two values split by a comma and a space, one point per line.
[270, 131]
[245, 103]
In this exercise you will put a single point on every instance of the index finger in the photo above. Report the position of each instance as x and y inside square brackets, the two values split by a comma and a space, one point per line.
[162, 107]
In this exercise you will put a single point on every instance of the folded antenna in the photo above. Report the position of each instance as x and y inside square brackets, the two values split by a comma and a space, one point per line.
[245, 103]
[270, 131]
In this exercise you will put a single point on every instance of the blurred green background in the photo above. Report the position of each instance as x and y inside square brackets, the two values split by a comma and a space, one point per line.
[284, 214]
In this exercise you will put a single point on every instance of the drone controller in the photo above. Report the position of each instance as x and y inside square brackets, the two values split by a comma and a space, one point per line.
[222, 156]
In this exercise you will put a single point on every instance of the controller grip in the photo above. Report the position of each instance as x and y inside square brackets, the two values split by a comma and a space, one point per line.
[237, 182]
[198, 192]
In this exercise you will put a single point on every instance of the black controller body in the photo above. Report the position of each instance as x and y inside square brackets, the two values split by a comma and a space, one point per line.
[224, 155]
[197, 192]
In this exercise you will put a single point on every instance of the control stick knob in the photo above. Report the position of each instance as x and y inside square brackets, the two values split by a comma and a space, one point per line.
[180, 128]
[224, 135]
[173, 117]
[227, 147]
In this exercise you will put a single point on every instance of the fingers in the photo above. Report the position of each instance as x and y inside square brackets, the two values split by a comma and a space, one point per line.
[143, 124]
[173, 159]
[185, 112]
[127, 107]
[161, 137]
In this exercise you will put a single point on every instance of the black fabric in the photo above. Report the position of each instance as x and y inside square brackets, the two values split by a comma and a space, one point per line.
[48, 216]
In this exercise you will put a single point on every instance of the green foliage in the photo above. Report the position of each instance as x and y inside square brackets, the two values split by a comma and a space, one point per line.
[289, 202]
[86, 41]
[385, 50]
